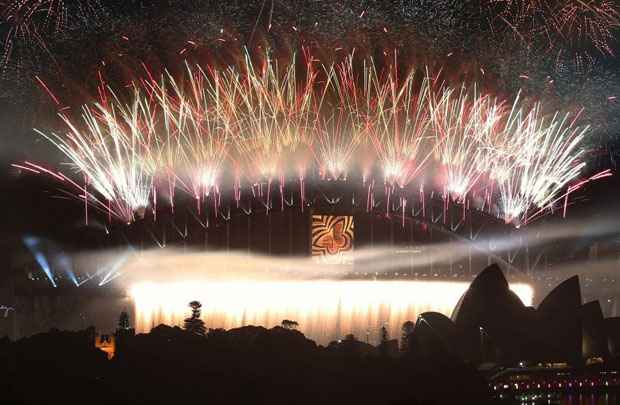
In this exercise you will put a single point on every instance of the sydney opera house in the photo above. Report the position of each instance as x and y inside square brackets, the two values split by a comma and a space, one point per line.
[490, 324]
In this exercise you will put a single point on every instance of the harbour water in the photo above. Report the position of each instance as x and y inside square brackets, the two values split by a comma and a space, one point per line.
[594, 398]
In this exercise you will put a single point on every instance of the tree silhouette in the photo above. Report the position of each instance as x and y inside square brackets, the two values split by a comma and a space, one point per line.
[288, 324]
[407, 330]
[194, 324]
[384, 335]
[384, 344]
[123, 332]
[123, 321]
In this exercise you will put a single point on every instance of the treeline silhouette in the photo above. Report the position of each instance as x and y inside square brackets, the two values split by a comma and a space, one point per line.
[247, 365]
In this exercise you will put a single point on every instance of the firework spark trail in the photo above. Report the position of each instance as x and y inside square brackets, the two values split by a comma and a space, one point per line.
[567, 27]
[589, 22]
[21, 30]
[110, 153]
[336, 142]
[544, 155]
[257, 141]
[464, 125]
[587, 28]
[166, 145]
[277, 117]
[28, 24]
[337, 136]
[196, 132]
[529, 17]
[399, 118]
[54, 12]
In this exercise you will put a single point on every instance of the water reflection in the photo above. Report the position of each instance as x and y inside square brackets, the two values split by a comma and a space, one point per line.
[604, 398]
[324, 309]
[591, 399]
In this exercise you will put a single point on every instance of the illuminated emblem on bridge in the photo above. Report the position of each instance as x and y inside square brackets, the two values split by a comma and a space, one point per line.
[332, 239]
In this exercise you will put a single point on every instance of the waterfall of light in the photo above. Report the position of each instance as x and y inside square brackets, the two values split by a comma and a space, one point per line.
[324, 309]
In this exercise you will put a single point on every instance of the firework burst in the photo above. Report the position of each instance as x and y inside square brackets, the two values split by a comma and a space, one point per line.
[112, 154]
[196, 127]
[276, 115]
[577, 28]
[399, 122]
[587, 24]
[27, 24]
[464, 125]
[541, 157]
[337, 136]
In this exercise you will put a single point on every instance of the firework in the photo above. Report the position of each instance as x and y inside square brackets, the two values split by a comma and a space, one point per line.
[111, 152]
[574, 27]
[464, 125]
[52, 13]
[337, 136]
[540, 158]
[587, 24]
[276, 120]
[28, 23]
[196, 128]
[529, 17]
[399, 122]
[19, 22]
[277, 115]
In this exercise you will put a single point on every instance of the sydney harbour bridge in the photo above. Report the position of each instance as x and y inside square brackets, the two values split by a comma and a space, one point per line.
[443, 235]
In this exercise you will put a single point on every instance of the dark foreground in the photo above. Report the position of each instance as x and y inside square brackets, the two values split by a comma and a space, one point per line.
[249, 365]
